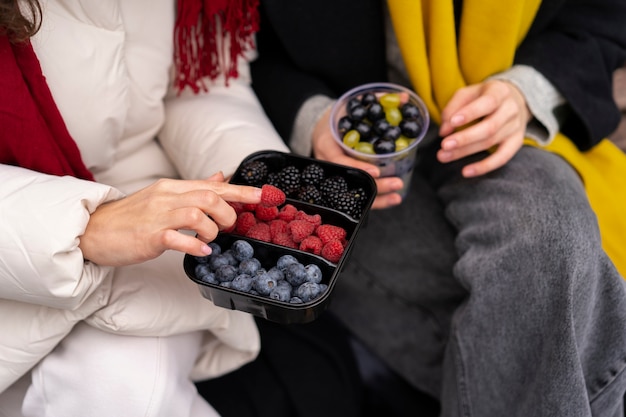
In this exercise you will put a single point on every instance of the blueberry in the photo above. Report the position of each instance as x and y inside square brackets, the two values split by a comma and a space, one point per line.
[202, 259]
[209, 278]
[225, 284]
[264, 284]
[241, 250]
[276, 273]
[284, 261]
[313, 273]
[283, 283]
[281, 293]
[295, 274]
[249, 266]
[225, 273]
[231, 257]
[203, 273]
[410, 128]
[308, 291]
[218, 260]
[216, 249]
[242, 282]
[295, 300]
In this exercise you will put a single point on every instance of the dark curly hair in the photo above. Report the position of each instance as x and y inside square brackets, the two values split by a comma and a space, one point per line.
[19, 23]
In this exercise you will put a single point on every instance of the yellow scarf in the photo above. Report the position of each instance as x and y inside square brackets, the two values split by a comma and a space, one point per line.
[490, 32]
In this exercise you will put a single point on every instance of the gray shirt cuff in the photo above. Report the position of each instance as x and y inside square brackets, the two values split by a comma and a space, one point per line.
[543, 99]
[306, 119]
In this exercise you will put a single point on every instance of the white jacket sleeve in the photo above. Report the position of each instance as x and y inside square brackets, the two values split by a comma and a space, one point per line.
[214, 131]
[42, 219]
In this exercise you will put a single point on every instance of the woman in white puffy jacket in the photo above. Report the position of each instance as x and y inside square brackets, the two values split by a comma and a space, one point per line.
[98, 317]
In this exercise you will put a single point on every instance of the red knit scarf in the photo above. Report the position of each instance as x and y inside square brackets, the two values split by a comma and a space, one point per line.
[209, 37]
[33, 134]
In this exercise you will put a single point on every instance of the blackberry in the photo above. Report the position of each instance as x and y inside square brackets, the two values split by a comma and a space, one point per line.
[349, 202]
[273, 179]
[310, 194]
[312, 174]
[333, 185]
[343, 201]
[289, 179]
[254, 172]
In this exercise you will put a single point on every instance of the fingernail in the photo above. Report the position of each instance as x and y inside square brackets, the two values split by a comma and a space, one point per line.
[448, 144]
[469, 172]
[206, 249]
[457, 119]
[444, 156]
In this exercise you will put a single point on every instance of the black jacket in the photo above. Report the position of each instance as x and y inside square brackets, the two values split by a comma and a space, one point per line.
[328, 46]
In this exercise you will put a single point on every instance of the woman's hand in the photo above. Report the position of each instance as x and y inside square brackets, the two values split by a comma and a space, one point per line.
[147, 223]
[488, 116]
[326, 149]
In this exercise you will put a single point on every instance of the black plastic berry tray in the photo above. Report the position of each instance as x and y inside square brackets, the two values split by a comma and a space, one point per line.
[268, 253]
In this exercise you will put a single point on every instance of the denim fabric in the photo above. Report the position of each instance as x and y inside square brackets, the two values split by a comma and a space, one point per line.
[492, 294]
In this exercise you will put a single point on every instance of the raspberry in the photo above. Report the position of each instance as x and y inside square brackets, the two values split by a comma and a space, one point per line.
[237, 206]
[254, 172]
[300, 229]
[248, 206]
[311, 244]
[266, 213]
[287, 212]
[328, 232]
[278, 226]
[272, 196]
[244, 222]
[333, 250]
[260, 231]
[284, 239]
[315, 219]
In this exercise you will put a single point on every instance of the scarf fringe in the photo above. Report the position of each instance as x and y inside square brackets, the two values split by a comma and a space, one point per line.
[209, 38]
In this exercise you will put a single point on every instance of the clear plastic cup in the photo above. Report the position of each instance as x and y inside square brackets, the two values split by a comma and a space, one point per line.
[396, 163]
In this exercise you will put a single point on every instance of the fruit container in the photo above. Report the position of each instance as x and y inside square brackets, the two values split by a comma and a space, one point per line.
[333, 211]
[383, 124]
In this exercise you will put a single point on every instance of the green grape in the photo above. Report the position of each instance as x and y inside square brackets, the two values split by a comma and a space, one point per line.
[402, 143]
[390, 100]
[393, 116]
[351, 138]
[364, 147]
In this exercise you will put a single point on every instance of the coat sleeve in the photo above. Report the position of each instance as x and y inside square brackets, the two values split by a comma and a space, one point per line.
[577, 45]
[42, 219]
[215, 130]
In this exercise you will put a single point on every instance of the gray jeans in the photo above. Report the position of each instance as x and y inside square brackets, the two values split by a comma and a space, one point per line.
[492, 294]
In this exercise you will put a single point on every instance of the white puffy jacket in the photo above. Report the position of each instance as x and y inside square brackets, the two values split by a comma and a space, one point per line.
[108, 64]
